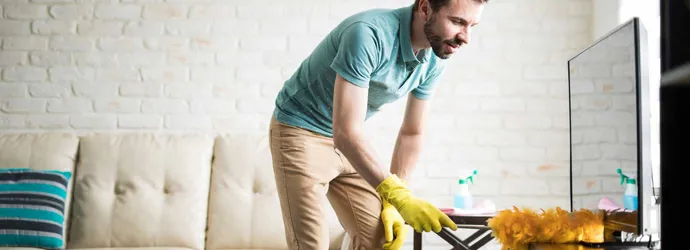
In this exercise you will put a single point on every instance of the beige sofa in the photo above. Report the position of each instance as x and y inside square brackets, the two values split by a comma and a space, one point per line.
[162, 191]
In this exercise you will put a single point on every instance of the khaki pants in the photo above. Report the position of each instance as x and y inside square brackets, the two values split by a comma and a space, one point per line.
[308, 169]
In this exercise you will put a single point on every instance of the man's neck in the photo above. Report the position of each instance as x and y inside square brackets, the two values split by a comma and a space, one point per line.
[417, 37]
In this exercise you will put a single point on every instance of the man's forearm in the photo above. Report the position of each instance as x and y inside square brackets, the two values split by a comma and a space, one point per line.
[406, 154]
[362, 157]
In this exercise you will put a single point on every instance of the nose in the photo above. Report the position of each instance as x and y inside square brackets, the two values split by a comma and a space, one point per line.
[463, 37]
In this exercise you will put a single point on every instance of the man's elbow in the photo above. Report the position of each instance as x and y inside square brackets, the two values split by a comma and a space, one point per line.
[411, 132]
[342, 137]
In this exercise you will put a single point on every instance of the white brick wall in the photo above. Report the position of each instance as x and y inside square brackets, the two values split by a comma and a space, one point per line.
[212, 65]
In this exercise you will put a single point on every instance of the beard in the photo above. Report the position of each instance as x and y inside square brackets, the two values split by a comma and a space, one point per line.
[437, 41]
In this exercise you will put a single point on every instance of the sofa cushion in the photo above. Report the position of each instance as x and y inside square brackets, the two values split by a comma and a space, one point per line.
[41, 151]
[21, 248]
[244, 209]
[105, 248]
[32, 207]
[141, 190]
[134, 248]
[44, 151]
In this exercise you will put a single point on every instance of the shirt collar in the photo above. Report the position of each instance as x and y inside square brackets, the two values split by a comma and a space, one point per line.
[405, 39]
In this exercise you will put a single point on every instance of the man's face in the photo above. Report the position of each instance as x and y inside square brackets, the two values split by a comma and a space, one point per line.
[449, 28]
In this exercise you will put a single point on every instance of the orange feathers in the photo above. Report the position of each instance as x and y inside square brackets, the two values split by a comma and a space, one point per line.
[515, 229]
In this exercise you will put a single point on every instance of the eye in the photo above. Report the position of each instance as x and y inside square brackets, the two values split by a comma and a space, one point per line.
[458, 21]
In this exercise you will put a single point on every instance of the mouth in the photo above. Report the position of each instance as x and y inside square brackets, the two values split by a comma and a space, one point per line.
[451, 48]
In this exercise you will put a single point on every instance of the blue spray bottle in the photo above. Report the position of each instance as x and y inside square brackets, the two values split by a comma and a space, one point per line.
[463, 198]
[630, 194]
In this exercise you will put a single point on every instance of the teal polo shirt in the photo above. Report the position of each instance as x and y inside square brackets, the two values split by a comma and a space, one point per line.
[370, 49]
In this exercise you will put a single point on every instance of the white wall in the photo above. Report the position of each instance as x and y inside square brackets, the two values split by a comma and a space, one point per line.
[607, 15]
[214, 66]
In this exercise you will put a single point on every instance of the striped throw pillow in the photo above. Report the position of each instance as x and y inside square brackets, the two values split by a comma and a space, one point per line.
[32, 208]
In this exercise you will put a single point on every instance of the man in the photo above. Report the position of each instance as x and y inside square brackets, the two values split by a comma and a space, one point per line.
[317, 143]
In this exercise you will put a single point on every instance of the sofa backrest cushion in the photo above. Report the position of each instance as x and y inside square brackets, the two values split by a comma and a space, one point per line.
[141, 190]
[41, 151]
[244, 209]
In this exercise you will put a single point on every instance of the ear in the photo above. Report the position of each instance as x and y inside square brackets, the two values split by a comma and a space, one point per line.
[425, 9]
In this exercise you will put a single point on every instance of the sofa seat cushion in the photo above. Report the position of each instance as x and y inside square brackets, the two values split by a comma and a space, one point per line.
[141, 190]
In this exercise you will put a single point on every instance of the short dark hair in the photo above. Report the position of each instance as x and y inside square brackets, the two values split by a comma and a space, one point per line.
[438, 4]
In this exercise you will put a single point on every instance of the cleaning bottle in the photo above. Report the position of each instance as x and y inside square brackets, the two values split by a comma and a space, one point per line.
[463, 198]
[630, 194]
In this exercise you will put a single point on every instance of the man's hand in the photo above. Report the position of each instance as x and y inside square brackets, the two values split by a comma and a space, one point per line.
[394, 227]
[418, 213]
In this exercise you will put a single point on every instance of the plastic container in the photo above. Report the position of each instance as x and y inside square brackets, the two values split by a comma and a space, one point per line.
[462, 199]
[630, 193]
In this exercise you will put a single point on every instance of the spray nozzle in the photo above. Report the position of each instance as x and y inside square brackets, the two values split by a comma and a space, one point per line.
[625, 178]
[471, 178]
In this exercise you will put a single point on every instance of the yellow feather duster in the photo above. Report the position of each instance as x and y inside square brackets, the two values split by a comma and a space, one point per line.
[515, 229]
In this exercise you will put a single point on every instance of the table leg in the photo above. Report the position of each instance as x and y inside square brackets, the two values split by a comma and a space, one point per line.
[417, 241]
[453, 240]
[456, 242]
[481, 242]
[475, 235]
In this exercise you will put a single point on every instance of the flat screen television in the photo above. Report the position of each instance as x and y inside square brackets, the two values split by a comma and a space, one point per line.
[610, 115]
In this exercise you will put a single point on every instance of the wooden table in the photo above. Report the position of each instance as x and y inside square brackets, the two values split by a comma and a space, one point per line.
[473, 242]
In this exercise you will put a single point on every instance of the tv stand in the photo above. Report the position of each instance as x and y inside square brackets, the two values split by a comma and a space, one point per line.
[601, 246]
[641, 242]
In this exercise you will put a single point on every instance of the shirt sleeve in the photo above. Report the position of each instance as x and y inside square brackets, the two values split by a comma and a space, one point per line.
[358, 54]
[426, 89]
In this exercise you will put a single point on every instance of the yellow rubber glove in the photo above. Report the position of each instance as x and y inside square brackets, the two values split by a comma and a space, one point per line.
[394, 227]
[418, 213]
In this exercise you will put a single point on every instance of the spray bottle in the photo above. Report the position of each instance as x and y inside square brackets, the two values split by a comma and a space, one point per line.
[630, 194]
[463, 198]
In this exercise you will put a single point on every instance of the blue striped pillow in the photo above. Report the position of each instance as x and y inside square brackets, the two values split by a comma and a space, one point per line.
[32, 208]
